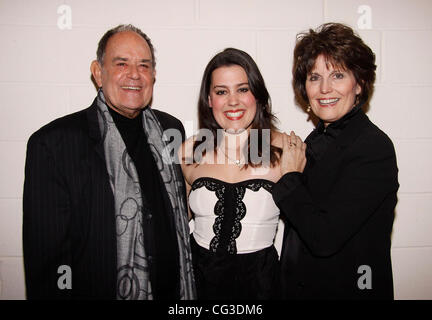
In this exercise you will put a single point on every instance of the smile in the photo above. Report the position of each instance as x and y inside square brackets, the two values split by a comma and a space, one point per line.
[234, 114]
[326, 102]
[132, 88]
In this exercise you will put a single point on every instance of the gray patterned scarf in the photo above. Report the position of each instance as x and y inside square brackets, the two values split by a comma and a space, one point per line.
[133, 279]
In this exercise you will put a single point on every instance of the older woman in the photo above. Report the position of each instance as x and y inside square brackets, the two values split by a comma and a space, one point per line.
[230, 177]
[339, 208]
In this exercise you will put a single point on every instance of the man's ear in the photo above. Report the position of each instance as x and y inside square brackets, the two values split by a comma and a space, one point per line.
[96, 71]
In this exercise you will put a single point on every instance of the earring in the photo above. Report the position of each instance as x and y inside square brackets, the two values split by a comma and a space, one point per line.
[308, 109]
[357, 100]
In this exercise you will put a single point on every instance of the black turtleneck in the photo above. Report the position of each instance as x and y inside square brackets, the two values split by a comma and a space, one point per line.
[317, 144]
[160, 241]
[320, 139]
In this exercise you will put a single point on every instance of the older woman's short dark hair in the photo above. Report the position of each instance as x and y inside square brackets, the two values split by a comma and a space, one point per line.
[342, 48]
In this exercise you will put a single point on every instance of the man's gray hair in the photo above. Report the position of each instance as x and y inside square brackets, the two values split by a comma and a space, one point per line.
[100, 53]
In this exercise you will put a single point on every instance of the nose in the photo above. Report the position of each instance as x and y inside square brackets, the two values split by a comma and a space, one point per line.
[133, 72]
[233, 99]
[326, 86]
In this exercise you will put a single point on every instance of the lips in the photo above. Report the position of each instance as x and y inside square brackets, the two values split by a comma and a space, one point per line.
[328, 102]
[234, 114]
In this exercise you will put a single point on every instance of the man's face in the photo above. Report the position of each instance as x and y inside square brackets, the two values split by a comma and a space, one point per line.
[127, 75]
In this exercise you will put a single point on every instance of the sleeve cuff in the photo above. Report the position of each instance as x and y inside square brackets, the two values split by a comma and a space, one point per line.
[286, 185]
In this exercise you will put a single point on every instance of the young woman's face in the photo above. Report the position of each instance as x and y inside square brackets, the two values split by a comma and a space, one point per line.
[232, 102]
[331, 91]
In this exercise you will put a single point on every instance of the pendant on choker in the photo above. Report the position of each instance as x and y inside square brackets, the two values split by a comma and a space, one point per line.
[237, 162]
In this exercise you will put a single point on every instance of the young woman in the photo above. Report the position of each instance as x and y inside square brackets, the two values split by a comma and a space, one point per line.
[230, 175]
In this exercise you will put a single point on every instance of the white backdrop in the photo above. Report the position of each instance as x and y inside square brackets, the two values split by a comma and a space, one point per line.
[47, 47]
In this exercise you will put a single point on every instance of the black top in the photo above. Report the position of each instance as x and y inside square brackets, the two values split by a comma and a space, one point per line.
[320, 139]
[339, 214]
[159, 242]
[318, 142]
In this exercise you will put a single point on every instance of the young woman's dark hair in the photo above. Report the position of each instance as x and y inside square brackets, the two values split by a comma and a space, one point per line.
[341, 48]
[264, 119]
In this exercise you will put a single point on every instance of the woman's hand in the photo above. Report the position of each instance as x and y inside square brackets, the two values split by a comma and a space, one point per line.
[293, 154]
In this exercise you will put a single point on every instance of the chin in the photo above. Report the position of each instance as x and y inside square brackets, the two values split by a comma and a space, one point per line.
[134, 106]
[235, 128]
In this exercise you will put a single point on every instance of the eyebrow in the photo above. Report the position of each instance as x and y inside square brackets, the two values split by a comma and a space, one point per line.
[332, 72]
[224, 86]
[126, 59]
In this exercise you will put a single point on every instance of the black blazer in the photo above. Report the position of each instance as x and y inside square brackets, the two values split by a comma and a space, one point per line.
[68, 209]
[339, 216]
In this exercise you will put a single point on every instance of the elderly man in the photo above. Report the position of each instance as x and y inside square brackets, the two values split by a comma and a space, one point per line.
[104, 214]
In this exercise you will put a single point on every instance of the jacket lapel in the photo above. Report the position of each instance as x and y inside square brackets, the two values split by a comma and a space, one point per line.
[94, 130]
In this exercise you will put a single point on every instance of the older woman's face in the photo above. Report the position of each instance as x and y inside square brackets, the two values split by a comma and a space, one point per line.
[331, 91]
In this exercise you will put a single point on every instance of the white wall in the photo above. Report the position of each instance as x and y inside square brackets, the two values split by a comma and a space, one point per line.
[45, 74]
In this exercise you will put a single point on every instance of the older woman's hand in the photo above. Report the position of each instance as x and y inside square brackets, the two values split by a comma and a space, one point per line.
[294, 154]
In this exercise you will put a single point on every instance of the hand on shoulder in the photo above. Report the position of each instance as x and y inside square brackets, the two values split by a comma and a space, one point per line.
[293, 153]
